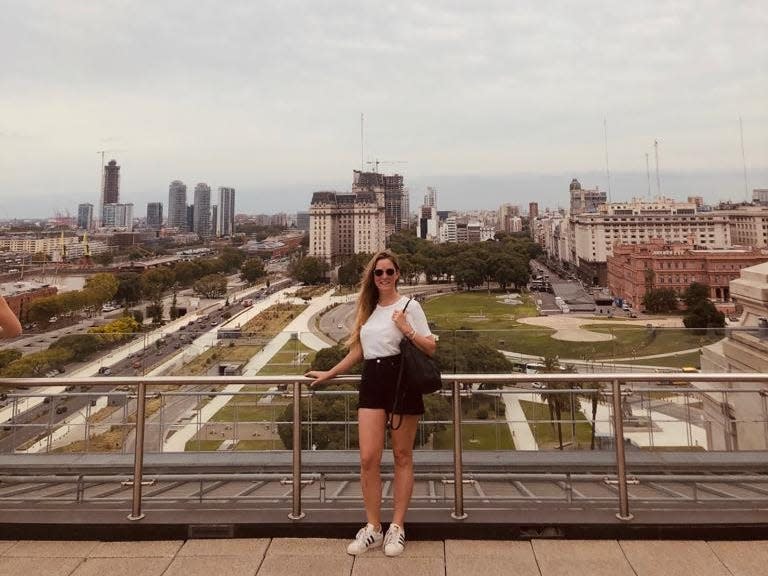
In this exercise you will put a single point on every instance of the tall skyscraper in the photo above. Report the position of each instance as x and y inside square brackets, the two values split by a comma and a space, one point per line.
[155, 215]
[177, 205]
[533, 210]
[215, 220]
[393, 191]
[85, 216]
[226, 216]
[190, 221]
[111, 184]
[202, 214]
[430, 197]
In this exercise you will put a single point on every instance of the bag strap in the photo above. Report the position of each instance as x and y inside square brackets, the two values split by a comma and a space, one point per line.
[390, 417]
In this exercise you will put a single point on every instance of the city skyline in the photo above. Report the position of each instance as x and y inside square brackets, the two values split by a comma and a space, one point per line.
[489, 105]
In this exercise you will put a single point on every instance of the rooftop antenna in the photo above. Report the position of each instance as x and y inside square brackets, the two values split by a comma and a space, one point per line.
[362, 140]
[744, 161]
[607, 170]
[648, 174]
[658, 180]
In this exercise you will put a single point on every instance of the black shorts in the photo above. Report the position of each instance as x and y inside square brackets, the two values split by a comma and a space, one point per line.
[377, 388]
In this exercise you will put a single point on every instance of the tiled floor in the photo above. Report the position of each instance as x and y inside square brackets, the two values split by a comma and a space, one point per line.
[319, 557]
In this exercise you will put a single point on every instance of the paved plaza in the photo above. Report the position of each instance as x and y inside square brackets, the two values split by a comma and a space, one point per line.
[321, 557]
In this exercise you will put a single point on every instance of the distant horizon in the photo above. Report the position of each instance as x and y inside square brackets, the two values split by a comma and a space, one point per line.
[465, 192]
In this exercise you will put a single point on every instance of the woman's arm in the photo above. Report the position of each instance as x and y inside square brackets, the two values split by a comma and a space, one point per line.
[354, 356]
[426, 344]
[9, 324]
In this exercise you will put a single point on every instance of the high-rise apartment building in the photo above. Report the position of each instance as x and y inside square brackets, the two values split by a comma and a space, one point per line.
[111, 184]
[155, 215]
[190, 221]
[430, 197]
[85, 216]
[341, 224]
[509, 218]
[533, 210]
[117, 216]
[394, 193]
[302, 221]
[226, 212]
[177, 205]
[215, 220]
[583, 200]
[202, 215]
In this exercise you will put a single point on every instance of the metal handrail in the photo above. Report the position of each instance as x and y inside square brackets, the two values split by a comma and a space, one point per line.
[455, 380]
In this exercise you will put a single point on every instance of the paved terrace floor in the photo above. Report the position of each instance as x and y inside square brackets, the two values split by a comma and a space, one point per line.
[320, 557]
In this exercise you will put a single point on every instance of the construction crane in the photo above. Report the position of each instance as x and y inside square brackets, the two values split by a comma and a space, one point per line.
[375, 163]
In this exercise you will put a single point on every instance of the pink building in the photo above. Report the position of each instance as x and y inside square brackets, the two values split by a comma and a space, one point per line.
[635, 268]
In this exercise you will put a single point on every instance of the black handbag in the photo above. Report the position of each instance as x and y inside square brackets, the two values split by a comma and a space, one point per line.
[418, 372]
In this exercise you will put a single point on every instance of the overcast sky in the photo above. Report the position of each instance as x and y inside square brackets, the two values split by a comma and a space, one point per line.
[500, 102]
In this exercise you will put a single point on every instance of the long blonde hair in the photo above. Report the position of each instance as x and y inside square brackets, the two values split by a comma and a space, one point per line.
[369, 294]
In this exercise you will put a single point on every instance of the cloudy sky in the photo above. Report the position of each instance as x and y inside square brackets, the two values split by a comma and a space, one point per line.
[500, 102]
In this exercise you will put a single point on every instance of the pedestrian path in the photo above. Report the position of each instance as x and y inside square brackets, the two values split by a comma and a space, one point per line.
[518, 424]
[321, 557]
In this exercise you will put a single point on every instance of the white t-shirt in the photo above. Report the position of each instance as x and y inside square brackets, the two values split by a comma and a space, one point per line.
[380, 336]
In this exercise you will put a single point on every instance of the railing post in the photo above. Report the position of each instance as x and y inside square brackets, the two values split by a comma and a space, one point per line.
[458, 473]
[138, 453]
[621, 463]
[296, 513]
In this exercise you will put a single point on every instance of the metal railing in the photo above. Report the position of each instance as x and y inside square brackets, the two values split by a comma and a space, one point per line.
[616, 385]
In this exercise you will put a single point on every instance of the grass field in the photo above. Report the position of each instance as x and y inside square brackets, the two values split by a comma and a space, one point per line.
[202, 445]
[242, 409]
[275, 444]
[200, 365]
[485, 427]
[676, 361]
[544, 431]
[293, 358]
[273, 319]
[497, 325]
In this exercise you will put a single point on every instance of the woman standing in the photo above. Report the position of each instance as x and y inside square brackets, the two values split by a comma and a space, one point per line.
[380, 325]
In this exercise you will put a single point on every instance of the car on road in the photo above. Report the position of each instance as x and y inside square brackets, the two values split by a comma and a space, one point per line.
[104, 371]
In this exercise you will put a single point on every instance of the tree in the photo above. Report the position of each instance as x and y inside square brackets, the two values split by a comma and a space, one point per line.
[351, 271]
[43, 309]
[309, 270]
[101, 288]
[660, 300]
[211, 286]
[232, 258]
[128, 288]
[702, 316]
[695, 294]
[252, 270]
[557, 402]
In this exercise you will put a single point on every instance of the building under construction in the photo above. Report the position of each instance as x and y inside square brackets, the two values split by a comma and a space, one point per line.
[396, 206]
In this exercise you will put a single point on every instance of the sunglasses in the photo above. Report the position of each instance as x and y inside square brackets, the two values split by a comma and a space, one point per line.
[380, 271]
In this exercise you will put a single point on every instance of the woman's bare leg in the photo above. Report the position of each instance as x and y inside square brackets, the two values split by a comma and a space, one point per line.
[402, 449]
[372, 426]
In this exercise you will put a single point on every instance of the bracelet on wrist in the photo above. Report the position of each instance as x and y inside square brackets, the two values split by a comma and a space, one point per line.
[412, 334]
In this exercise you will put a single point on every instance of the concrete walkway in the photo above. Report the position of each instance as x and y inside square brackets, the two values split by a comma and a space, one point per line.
[321, 557]
[518, 424]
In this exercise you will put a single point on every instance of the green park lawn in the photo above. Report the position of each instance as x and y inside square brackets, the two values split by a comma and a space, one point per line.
[202, 445]
[246, 409]
[496, 323]
[483, 427]
[294, 358]
[249, 445]
[677, 361]
[539, 419]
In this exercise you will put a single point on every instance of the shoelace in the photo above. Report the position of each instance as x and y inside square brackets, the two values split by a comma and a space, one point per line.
[364, 537]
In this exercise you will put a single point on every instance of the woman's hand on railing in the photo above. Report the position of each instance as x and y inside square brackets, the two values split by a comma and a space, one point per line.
[319, 376]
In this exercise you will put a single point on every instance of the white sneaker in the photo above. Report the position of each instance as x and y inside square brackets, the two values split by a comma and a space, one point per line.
[367, 537]
[394, 541]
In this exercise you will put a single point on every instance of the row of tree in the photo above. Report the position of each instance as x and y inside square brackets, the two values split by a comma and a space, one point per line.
[503, 261]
